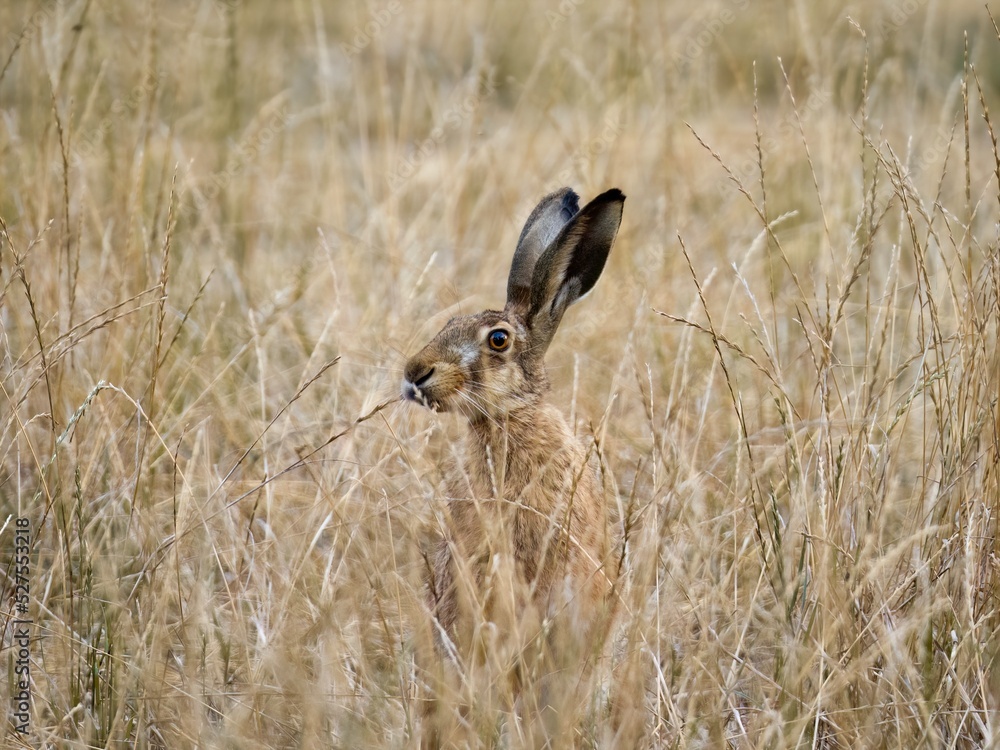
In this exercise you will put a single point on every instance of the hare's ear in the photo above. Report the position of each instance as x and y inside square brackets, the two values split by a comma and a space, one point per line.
[541, 228]
[571, 264]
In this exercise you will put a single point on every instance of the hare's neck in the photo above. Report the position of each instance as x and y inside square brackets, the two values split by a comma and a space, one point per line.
[505, 455]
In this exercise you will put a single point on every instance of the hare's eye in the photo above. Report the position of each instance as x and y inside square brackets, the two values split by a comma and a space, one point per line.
[498, 339]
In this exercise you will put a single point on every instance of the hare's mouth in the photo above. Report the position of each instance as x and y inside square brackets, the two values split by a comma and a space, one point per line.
[423, 396]
[438, 387]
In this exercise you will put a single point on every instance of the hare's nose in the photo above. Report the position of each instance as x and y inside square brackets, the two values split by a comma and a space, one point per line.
[419, 375]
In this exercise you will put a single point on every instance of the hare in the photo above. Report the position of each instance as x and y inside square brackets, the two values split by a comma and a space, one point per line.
[528, 537]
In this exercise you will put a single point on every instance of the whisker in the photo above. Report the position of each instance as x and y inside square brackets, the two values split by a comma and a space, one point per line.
[471, 400]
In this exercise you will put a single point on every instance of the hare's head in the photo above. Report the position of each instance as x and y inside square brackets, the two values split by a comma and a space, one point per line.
[490, 364]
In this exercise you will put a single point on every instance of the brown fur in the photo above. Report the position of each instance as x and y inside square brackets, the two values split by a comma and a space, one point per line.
[528, 534]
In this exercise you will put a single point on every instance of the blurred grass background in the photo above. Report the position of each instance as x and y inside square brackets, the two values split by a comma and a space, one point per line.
[226, 224]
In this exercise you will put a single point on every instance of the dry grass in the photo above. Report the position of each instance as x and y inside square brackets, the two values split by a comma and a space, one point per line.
[226, 224]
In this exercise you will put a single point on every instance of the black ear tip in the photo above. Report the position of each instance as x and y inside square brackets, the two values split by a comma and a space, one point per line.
[609, 196]
[570, 204]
